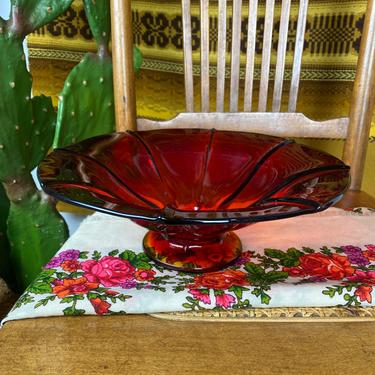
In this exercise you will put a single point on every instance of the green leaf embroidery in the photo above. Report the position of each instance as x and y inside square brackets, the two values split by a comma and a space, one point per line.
[44, 302]
[96, 255]
[92, 295]
[276, 276]
[46, 274]
[142, 265]
[72, 311]
[123, 297]
[265, 298]
[113, 253]
[237, 290]
[40, 288]
[308, 250]
[83, 255]
[254, 269]
[128, 255]
[329, 292]
[67, 300]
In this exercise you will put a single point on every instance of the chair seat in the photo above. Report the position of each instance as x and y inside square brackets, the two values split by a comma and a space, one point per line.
[145, 345]
[354, 199]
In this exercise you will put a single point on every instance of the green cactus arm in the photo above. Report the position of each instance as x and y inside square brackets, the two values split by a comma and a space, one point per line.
[99, 17]
[15, 108]
[36, 232]
[27, 124]
[44, 121]
[5, 268]
[29, 15]
[86, 102]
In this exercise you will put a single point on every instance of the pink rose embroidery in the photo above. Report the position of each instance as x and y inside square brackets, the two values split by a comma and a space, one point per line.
[108, 271]
[201, 296]
[224, 300]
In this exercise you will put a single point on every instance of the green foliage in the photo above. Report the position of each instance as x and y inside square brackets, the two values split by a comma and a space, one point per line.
[36, 231]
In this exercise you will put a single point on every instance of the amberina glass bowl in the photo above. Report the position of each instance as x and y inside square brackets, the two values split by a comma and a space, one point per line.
[192, 187]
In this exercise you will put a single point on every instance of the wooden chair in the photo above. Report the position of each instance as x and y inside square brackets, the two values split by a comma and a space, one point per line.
[145, 345]
[355, 128]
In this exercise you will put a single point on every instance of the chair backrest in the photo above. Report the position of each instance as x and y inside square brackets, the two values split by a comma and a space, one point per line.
[237, 19]
[355, 127]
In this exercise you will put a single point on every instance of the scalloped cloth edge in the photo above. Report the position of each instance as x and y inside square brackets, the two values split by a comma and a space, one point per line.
[279, 314]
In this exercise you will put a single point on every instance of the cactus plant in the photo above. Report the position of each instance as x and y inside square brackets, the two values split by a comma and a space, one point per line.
[5, 270]
[35, 229]
[86, 106]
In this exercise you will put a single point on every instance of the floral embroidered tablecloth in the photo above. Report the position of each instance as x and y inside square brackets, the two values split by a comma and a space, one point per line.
[324, 259]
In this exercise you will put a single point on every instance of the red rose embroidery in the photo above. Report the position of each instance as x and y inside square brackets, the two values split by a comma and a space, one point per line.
[363, 292]
[332, 267]
[101, 307]
[144, 275]
[71, 265]
[370, 252]
[73, 286]
[108, 271]
[220, 280]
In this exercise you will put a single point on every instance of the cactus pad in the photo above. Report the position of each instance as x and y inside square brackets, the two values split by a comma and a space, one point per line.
[86, 106]
[27, 124]
[36, 233]
[86, 102]
[5, 268]
[99, 17]
[28, 15]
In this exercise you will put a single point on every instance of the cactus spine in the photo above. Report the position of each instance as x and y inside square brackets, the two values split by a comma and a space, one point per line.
[27, 124]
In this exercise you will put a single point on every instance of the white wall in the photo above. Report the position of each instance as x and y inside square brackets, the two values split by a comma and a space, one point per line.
[4, 8]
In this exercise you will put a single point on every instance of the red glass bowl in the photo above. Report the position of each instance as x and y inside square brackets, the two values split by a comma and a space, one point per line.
[191, 187]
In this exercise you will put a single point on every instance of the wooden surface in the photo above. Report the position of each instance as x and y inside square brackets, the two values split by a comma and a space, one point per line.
[145, 345]
[221, 52]
[205, 59]
[123, 71]
[235, 56]
[281, 54]
[188, 57]
[297, 60]
[357, 198]
[277, 124]
[250, 55]
[362, 104]
[266, 56]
